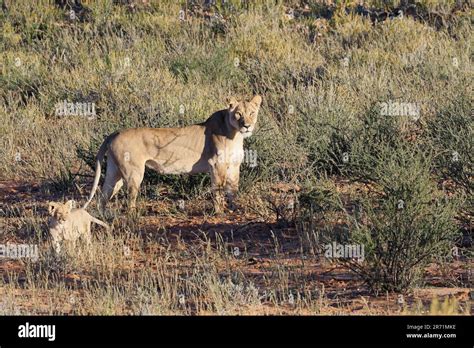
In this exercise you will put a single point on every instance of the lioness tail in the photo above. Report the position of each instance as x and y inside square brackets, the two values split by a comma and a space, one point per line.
[99, 158]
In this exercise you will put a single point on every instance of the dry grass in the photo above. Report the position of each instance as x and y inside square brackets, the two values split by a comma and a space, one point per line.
[319, 78]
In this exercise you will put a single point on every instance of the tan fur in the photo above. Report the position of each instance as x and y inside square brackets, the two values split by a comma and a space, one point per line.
[67, 225]
[214, 146]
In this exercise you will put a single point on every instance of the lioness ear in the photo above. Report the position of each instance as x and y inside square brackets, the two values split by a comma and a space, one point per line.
[52, 208]
[232, 102]
[257, 100]
[69, 205]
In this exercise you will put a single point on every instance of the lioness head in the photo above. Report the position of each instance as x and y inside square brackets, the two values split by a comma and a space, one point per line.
[243, 115]
[60, 211]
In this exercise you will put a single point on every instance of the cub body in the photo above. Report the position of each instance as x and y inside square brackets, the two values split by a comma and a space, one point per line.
[68, 224]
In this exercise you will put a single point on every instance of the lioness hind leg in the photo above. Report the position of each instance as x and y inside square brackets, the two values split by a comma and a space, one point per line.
[133, 181]
[113, 182]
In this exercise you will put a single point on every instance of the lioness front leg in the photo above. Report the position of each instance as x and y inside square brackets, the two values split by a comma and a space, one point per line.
[232, 185]
[218, 180]
[57, 246]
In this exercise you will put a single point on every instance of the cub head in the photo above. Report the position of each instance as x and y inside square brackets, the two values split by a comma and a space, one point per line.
[243, 115]
[59, 211]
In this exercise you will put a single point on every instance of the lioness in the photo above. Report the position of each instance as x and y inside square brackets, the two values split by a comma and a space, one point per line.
[214, 146]
[68, 224]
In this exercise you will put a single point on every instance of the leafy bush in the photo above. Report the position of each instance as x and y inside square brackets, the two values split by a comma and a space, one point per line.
[405, 226]
[375, 136]
[451, 133]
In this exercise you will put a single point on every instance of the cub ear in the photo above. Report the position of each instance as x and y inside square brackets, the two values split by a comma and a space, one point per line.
[257, 100]
[52, 207]
[232, 102]
[69, 205]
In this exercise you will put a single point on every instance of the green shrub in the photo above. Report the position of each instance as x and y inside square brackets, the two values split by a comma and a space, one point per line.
[404, 227]
[368, 145]
[451, 133]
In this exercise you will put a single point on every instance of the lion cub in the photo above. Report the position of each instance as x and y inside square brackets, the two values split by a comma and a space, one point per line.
[68, 224]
